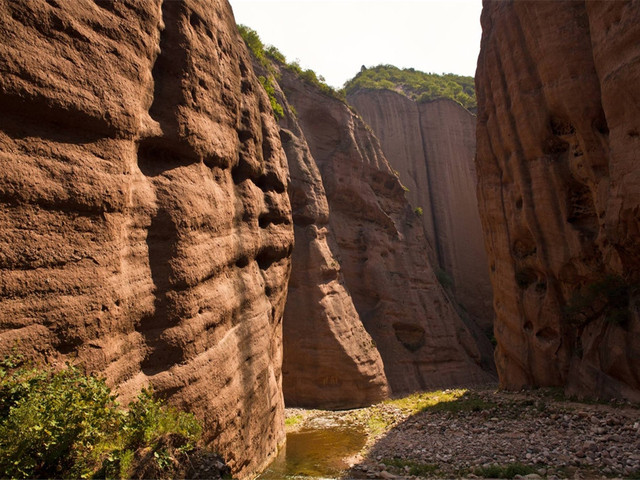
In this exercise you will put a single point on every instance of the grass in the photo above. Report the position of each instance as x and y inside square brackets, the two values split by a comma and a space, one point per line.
[458, 400]
[293, 420]
[379, 418]
[415, 468]
[418, 402]
[378, 423]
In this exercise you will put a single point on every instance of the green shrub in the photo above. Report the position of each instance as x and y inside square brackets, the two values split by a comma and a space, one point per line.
[252, 39]
[264, 55]
[418, 211]
[278, 111]
[56, 424]
[420, 86]
[275, 54]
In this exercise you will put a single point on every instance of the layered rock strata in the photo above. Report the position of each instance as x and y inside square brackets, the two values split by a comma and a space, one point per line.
[146, 223]
[330, 361]
[380, 249]
[432, 147]
[558, 88]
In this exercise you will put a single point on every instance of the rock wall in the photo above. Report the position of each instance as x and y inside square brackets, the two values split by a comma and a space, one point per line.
[330, 361]
[432, 147]
[146, 224]
[380, 250]
[558, 87]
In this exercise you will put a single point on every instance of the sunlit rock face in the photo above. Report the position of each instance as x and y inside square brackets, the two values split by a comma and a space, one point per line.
[146, 224]
[432, 147]
[376, 253]
[558, 86]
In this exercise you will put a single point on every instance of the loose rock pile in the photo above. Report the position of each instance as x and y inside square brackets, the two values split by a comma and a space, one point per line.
[505, 435]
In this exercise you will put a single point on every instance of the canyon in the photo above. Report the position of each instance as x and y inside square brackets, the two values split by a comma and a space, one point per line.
[162, 228]
[377, 250]
[149, 214]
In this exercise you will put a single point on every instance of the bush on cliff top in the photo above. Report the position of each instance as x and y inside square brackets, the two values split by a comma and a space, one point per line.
[266, 54]
[64, 424]
[417, 85]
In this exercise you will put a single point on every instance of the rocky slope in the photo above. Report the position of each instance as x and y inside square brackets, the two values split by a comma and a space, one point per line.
[379, 247]
[559, 191]
[432, 146]
[146, 224]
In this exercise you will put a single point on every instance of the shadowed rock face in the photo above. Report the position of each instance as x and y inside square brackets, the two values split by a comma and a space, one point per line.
[432, 147]
[380, 255]
[330, 361]
[146, 225]
[558, 87]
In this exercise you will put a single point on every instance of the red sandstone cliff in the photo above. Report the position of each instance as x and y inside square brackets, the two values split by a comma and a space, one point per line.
[558, 86]
[432, 146]
[329, 360]
[146, 227]
[380, 251]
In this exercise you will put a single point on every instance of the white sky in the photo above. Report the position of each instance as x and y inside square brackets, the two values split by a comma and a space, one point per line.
[335, 38]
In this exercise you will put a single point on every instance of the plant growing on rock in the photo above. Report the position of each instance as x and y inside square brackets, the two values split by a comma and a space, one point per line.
[609, 296]
[278, 111]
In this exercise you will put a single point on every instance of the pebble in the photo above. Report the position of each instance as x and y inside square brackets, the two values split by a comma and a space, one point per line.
[555, 438]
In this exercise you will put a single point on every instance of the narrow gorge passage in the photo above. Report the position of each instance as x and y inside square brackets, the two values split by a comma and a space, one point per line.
[420, 275]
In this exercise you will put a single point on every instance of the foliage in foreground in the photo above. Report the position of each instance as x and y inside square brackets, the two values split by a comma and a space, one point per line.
[64, 424]
[419, 86]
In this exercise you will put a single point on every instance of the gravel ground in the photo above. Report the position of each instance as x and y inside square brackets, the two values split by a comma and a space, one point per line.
[491, 434]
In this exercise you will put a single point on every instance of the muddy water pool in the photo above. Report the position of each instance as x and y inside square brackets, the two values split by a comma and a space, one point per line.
[321, 452]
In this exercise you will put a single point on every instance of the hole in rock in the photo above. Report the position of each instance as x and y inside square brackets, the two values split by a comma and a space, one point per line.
[547, 334]
[269, 182]
[519, 203]
[581, 212]
[268, 256]
[560, 126]
[412, 337]
[242, 262]
[525, 277]
[155, 158]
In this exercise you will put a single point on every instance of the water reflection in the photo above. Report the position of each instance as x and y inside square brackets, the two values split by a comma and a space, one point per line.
[315, 453]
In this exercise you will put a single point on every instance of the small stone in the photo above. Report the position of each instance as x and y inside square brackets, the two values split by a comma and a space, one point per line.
[384, 474]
